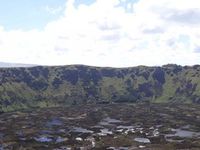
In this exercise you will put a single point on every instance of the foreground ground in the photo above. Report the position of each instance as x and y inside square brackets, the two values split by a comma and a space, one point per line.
[111, 126]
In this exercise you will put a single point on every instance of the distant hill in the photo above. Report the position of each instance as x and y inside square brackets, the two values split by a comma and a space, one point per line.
[12, 65]
[78, 84]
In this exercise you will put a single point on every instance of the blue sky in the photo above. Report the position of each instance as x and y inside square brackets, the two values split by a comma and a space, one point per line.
[28, 14]
[117, 33]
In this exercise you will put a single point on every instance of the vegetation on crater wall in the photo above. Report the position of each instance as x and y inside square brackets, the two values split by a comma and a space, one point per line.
[78, 84]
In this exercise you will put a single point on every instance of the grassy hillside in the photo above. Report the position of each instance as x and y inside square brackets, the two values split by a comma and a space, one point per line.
[63, 85]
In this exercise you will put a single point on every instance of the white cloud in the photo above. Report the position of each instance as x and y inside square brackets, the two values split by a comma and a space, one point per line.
[106, 34]
[53, 10]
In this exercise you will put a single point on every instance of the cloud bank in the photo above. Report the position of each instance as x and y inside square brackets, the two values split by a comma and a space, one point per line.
[107, 33]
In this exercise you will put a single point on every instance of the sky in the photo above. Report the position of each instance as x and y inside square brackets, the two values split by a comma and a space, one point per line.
[115, 33]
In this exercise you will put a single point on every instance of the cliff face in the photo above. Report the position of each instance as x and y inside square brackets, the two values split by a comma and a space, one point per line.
[52, 86]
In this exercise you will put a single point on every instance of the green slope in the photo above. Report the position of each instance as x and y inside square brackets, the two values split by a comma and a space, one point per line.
[64, 85]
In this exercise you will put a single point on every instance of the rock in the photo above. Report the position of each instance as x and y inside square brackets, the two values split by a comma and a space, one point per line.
[142, 140]
[79, 139]
[142, 146]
